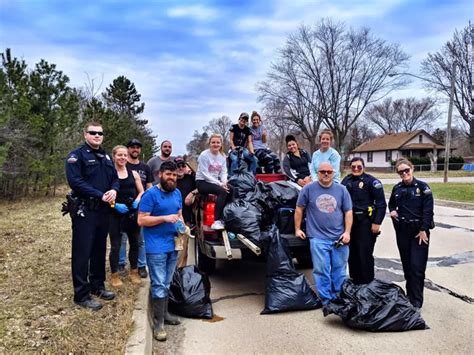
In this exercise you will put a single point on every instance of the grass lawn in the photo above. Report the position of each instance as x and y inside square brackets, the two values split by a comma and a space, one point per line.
[451, 191]
[420, 174]
[37, 313]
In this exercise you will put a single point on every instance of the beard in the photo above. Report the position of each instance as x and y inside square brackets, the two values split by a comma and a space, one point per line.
[166, 154]
[168, 185]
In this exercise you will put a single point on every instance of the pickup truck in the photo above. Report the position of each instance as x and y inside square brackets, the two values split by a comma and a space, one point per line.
[210, 245]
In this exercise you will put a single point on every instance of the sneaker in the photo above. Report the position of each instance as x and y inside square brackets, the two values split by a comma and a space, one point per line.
[218, 225]
[142, 272]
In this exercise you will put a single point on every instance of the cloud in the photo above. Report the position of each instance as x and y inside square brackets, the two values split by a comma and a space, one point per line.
[195, 12]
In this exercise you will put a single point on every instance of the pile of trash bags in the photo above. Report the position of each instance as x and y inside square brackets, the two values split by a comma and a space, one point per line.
[285, 289]
[377, 307]
[255, 204]
[189, 294]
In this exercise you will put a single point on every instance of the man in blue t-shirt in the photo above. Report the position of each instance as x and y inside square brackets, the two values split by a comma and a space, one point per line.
[159, 210]
[328, 209]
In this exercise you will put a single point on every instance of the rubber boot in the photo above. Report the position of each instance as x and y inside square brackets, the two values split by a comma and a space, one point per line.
[115, 281]
[159, 307]
[135, 277]
[169, 318]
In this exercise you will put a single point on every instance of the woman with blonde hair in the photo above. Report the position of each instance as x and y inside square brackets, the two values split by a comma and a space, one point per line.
[211, 176]
[123, 217]
[326, 153]
[411, 208]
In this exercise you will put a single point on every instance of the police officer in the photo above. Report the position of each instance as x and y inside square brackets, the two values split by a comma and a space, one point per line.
[368, 206]
[94, 183]
[411, 209]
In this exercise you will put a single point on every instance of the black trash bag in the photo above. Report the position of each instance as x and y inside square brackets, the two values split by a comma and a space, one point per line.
[189, 294]
[377, 307]
[242, 183]
[285, 193]
[242, 217]
[268, 205]
[286, 289]
[286, 220]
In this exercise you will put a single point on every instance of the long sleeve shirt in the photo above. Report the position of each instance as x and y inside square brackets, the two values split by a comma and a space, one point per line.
[212, 167]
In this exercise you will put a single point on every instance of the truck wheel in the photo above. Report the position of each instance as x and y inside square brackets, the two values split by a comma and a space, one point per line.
[304, 262]
[204, 263]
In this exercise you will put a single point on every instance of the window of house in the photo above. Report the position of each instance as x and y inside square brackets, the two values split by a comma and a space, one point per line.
[370, 157]
[388, 155]
[420, 139]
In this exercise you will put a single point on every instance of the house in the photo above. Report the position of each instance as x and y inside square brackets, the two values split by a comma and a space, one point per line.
[380, 151]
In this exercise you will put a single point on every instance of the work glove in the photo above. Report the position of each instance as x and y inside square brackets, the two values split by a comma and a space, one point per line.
[121, 208]
[135, 204]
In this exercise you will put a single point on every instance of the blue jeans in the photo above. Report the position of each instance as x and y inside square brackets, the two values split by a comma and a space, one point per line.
[141, 250]
[329, 267]
[234, 164]
[161, 268]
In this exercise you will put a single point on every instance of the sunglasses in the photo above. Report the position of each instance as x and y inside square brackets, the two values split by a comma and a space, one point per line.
[325, 172]
[356, 167]
[96, 133]
[180, 165]
[404, 171]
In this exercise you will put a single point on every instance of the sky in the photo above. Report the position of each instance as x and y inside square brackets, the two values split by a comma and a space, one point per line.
[193, 61]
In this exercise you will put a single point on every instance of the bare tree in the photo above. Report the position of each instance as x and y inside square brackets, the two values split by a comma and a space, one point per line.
[402, 115]
[220, 125]
[295, 101]
[335, 73]
[439, 68]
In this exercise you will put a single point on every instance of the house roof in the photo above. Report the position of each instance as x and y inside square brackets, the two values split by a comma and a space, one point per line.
[422, 146]
[395, 141]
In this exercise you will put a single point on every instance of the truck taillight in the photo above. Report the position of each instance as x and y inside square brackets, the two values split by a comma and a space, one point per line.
[209, 207]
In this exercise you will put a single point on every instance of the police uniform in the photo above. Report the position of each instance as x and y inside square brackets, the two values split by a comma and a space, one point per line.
[414, 205]
[368, 207]
[90, 173]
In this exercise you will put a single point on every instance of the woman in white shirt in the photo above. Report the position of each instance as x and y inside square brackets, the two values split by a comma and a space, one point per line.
[211, 176]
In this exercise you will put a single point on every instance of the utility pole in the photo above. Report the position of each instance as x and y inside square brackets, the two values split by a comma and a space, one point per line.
[448, 131]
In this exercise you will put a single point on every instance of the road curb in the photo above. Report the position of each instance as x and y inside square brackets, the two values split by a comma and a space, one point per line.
[141, 339]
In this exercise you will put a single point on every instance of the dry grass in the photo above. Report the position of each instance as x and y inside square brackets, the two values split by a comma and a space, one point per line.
[37, 313]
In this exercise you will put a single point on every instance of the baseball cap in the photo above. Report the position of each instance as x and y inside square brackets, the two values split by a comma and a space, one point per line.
[244, 115]
[133, 142]
[179, 160]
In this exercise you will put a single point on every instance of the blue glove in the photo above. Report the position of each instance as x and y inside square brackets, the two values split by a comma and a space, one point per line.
[135, 204]
[121, 208]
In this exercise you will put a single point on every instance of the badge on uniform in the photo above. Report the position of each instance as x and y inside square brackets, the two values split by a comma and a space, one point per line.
[361, 185]
[417, 191]
[107, 156]
[72, 159]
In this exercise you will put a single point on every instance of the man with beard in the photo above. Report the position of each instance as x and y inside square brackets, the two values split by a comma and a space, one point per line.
[159, 210]
[154, 163]
[134, 148]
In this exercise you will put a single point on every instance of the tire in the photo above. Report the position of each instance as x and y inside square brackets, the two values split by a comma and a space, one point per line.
[204, 263]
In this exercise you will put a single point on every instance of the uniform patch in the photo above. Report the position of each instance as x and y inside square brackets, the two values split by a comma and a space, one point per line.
[377, 184]
[107, 156]
[427, 191]
[361, 185]
[72, 158]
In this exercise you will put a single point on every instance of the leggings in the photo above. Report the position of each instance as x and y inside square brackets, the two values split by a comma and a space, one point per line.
[207, 188]
[121, 223]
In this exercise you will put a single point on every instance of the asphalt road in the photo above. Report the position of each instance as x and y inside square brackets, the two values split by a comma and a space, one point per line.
[238, 297]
